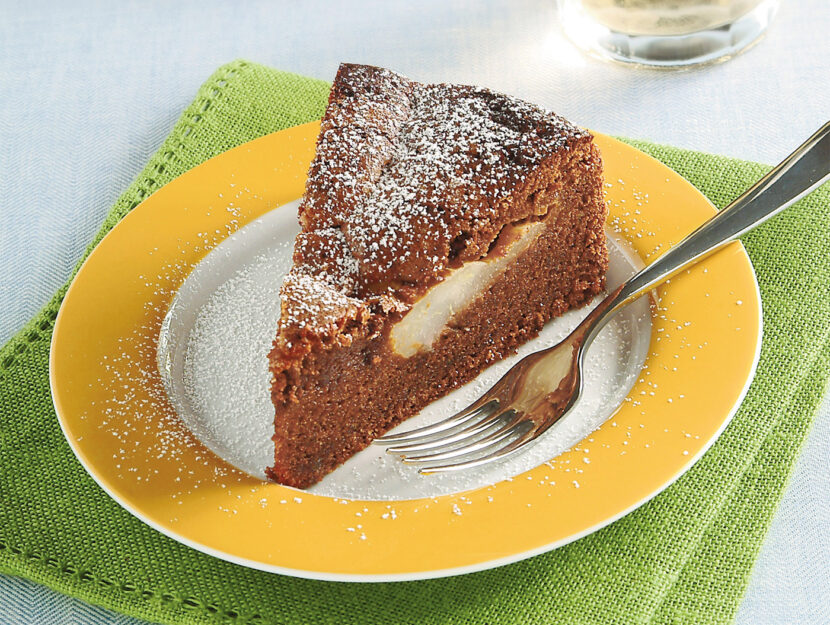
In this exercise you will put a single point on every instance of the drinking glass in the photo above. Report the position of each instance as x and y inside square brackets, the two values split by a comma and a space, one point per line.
[666, 33]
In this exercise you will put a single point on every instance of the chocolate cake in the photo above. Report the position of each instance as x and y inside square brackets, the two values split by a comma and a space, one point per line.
[442, 227]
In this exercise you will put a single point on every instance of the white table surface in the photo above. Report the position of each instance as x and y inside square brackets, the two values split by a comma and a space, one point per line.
[89, 90]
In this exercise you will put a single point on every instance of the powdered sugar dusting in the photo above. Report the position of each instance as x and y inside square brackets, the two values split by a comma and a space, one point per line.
[227, 380]
[458, 154]
[404, 168]
[308, 300]
[215, 342]
[226, 375]
[408, 176]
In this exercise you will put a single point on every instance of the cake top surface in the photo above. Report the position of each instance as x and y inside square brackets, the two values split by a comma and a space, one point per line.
[410, 177]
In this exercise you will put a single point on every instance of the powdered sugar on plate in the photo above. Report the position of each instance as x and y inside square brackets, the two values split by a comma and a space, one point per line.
[214, 342]
[213, 357]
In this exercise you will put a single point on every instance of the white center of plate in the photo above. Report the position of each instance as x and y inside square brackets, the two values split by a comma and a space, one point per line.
[215, 339]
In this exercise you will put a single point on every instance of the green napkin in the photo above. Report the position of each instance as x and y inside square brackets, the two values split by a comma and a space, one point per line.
[684, 557]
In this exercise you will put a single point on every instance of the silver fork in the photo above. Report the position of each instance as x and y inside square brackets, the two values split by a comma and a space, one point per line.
[542, 387]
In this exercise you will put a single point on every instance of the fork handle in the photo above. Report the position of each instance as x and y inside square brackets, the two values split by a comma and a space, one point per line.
[798, 174]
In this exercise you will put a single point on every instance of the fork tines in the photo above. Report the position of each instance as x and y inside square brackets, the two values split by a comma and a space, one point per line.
[476, 435]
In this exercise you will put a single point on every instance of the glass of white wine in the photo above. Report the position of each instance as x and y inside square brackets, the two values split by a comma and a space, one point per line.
[666, 33]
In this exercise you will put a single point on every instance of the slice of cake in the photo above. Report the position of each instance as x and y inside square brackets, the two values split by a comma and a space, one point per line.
[442, 227]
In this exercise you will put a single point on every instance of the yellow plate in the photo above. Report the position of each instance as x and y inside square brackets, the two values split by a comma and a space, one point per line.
[109, 397]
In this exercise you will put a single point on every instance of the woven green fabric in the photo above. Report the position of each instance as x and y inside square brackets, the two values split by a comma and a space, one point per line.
[683, 558]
